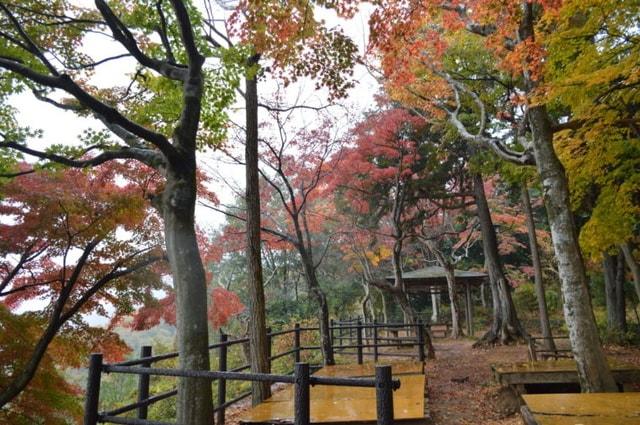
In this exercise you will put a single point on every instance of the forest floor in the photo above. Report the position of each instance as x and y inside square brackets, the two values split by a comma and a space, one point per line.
[460, 386]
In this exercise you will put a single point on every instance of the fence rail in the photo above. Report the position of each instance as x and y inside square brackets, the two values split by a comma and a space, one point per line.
[365, 338]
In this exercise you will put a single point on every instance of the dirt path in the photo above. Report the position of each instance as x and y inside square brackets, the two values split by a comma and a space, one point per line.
[460, 387]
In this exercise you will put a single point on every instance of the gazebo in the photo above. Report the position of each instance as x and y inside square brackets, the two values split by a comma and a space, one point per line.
[433, 280]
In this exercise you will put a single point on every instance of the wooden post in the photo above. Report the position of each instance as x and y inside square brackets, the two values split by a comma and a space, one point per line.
[143, 383]
[296, 343]
[93, 390]
[222, 383]
[469, 310]
[302, 408]
[269, 345]
[420, 340]
[352, 331]
[384, 395]
[332, 325]
[375, 341]
[359, 341]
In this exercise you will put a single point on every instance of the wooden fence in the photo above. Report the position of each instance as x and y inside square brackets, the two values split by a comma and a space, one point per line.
[351, 337]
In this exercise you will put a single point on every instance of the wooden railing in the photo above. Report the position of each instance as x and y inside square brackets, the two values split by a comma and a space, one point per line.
[538, 349]
[364, 338]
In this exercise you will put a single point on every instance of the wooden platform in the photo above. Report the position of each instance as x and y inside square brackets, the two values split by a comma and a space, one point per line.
[332, 404]
[583, 409]
[561, 371]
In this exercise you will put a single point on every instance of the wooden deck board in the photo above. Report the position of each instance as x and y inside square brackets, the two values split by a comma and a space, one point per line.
[332, 404]
[556, 371]
[368, 369]
[584, 409]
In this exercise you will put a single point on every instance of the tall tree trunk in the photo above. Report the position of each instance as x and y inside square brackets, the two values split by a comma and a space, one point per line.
[609, 267]
[627, 251]
[593, 368]
[621, 307]
[543, 314]
[506, 326]
[258, 345]
[194, 403]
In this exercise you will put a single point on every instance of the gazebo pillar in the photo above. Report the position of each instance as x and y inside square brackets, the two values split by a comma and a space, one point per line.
[469, 309]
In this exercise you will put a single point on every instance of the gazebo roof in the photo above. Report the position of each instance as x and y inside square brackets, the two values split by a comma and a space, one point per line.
[433, 279]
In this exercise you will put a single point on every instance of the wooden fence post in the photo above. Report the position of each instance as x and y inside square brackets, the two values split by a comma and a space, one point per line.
[302, 408]
[93, 390]
[269, 345]
[143, 383]
[222, 383]
[296, 343]
[384, 395]
[420, 340]
[332, 325]
[375, 341]
[359, 340]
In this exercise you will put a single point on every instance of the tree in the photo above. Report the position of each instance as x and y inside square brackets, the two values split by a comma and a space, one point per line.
[172, 107]
[60, 245]
[291, 41]
[295, 170]
[505, 325]
[376, 176]
[517, 50]
[545, 325]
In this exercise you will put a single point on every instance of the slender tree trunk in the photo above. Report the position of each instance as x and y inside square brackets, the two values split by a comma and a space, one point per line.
[483, 296]
[609, 267]
[543, 314]
[621, 307]
[593, 368]
[451, 286]
[453, 297]
[259, 350]
[366, 304]
[194, 403]
[506, 326]
[385, 307]
[323, 306]
[399, 293]
[627, 251]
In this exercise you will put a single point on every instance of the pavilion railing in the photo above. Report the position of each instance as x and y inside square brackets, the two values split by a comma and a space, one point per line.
[352, 338]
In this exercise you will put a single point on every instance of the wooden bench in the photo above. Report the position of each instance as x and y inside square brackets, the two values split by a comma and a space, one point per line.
[584, 409]
[538, 348]
[525, 376]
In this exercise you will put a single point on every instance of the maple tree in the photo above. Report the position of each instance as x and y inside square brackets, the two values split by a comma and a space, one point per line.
[295, 169]
[376, 175]
[63, 249]
[449, 80]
